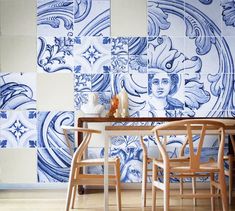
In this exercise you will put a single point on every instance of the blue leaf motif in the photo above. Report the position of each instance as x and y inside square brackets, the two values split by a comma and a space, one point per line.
[200, 28]
[157, 19]
[14, 95]
[3, 114]
[53, 12]
[195, 94]
[49, 55]
[228, 12]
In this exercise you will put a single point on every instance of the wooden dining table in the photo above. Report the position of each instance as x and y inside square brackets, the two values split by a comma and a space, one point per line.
[136, 130]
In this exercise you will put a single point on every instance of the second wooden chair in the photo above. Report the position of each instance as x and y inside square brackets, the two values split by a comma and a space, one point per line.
[77, 178]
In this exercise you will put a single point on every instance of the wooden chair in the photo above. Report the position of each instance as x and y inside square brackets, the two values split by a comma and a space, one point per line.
[147, 160]
[78, 178]
[194, 167]
[230, 158]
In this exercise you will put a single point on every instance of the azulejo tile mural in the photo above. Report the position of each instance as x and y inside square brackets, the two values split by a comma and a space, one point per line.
[183, 68]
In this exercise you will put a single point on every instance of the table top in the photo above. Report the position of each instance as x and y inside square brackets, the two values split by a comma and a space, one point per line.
[147, 130]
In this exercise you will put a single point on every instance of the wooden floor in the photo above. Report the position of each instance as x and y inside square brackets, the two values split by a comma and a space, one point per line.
[54, 200]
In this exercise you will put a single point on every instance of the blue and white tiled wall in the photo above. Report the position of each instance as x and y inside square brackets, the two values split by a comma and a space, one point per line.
[188, 51]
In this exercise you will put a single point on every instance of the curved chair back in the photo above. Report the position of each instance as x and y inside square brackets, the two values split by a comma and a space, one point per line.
[87, 134]
[192, 127]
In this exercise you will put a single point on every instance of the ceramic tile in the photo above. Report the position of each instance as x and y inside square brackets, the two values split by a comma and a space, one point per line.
[18, 129]
[54, 17]
[92, 54]
[205, 58]
[212, 95]
[137, 45]
[18, 91]
[228, 54]
[50, 133]
[91, 18]
[206, 21]
[166, 18]
[119, 45]
[166, 53]
[53, 165]
[131, 159]
[138, 64]
[227, 18]
[55, 54]
[135, 86]
[82, 83]
[100, 83]
[166, 94]
[119, 64]
[79, 99]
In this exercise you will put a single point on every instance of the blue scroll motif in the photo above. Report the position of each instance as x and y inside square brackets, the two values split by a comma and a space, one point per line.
[205, 33]
[206, 2]
[52, 58]
[228, 12]
[137, 45]
[157, 19]
[15, 95]
[54, 161]
[100, 82]
[97, 25]
[55, 12]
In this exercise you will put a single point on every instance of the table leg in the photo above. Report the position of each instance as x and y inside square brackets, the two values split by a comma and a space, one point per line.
[106, 170]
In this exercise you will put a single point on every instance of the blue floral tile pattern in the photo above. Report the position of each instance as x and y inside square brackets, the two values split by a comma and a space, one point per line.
[53, 165]
[55, 54]
[50, 133]
[91, 18]
[17, 91]
[82, 83]
[138, 63]
[54, 17]
[18, 129]
[119, 45]
[119, 63]
[92, 55]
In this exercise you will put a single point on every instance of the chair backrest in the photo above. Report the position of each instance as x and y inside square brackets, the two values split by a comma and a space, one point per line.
[192, 127]
[87, 134]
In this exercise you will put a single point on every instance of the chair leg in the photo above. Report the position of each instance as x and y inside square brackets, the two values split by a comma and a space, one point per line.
[181, 189]
[230, 161]
[69, 194]
[154, 177]
[212, 191]
[74, 195]
[223, 190]
[166, 191]
[118, 184]
[144, 182]
[194, 190]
